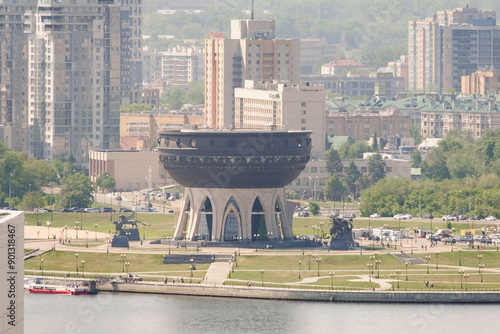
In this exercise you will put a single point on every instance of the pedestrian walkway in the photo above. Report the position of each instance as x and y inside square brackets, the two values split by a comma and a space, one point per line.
[217, 273]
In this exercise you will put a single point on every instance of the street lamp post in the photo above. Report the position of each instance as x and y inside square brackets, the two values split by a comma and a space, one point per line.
[192, 268]
[437, 260]
[76, 264]
[370, 268]
[393, 276]
[427, 259]
[479, 258]
[481, 266]
[372, 258]
[331, 277]
[262, 274]
[309, 257]
[461, 274]
[300, 262]
[398, 271]
[95, 229]
[460, 257]
[127, 264]
[466, 277]
[123, 256]
[87, 234]
[83, 268]
[76, 228]
[407, 263]
[378, 267]
[318, 260]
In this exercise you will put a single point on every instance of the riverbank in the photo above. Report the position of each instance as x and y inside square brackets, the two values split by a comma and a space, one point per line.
[254, 292]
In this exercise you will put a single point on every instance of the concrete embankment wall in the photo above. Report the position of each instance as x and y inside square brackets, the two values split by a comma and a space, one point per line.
[304, 295]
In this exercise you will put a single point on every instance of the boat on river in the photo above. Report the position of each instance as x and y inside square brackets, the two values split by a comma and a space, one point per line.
[73, 289]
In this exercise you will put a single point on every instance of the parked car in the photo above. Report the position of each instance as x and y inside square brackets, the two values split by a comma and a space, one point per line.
[125, 210]
[107, 210]
[374, 215]
[93, 210]
[349, 216]
[490, 218]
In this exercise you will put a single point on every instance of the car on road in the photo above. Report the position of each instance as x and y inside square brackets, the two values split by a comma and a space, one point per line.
[41, 210]
[107, 210]
[399, 216]
[92, 210]
[349, 216]
[374, 215]
[490, 218]
[408, 216]
[449, 217]
[125, 210]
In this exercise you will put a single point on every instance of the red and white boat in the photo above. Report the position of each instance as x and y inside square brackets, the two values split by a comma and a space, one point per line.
[58, 289]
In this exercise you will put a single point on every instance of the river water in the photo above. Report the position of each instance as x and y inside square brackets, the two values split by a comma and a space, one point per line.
[123, 313]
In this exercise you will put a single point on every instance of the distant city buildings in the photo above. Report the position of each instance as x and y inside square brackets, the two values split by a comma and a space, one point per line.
[285, 107]
[449, 45]
[252, 53]
[69, 65]
[481, 83]
[131, 169]
[139, 130]
[313, 51]
[366, 84]
[341, 67]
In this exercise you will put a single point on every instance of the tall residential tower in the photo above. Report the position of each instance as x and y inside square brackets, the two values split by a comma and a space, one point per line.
[449, 45]
[252, 53]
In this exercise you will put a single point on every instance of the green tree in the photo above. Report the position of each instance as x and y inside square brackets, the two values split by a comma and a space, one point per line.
[334, 188]
[173, 97]
[354, 150]
[416, 158]
[32, 200]
[314, 208]
[333, 162]
[76, 191]
[415, 133]
[375, 142]
[105, 182]
[134, 107]
[352, 175]
[376, 168]
[196, 94]
[434, 166]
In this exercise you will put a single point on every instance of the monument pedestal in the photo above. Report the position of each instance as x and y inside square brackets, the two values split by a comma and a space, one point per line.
[339, 244]
[119, 241]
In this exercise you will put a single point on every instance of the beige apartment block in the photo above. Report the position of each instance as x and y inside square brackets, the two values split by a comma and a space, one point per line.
[144, 126]
[481, 83]
[284, 106]
[132, 170]
[363, 125]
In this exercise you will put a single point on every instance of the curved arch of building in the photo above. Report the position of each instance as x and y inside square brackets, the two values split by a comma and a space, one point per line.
[277, 212]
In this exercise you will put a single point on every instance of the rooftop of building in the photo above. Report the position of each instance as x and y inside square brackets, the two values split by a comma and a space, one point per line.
[446, 102]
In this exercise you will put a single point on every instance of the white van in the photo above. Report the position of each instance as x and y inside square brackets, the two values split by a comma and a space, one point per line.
[139, 209]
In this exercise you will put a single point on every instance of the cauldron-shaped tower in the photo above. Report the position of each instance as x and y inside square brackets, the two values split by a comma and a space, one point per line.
[234, 181]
